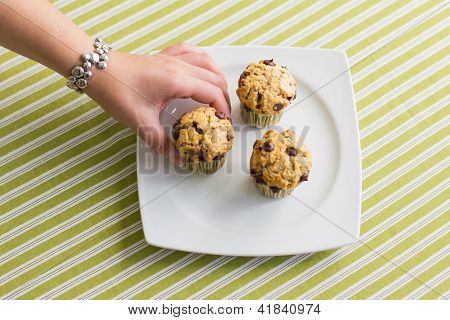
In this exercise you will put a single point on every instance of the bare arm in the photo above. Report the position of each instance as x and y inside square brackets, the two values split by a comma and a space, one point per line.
[134, 88]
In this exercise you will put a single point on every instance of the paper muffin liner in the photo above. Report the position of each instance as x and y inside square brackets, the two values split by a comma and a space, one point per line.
[259, 120]
[265, 190]
[206, 167]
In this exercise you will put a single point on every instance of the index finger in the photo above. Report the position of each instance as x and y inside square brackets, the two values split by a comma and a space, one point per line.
[203, 92]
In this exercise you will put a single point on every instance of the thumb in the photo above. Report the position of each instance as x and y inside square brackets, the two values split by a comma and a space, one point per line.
[152, 133]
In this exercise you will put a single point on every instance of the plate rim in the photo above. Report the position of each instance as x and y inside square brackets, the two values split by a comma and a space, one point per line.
[355, 234]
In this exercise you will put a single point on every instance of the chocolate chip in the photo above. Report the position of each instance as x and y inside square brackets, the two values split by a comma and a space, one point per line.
[259, 97]
[304, 178]
[259, 179]
[218, 157]
[201, 157]
[229, 137]
[268, 146]
[284, 67]
[275, 189]
[176, 134]
[269, 62]
[220, 114]
[289, 98]
[252, 172]
[258, 106]
[198, 130]
[254, 144]
[243, 75]
[292, 152]
[278, 107]
[295, 96]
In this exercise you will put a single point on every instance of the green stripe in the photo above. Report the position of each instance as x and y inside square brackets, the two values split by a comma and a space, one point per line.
[67, 254]
[433, 294]
[332, 25]
[272, 23]
[68, 234]
[413, 111]
[332, 16]
[397, 81]
[399, 270]
[401, 59]
[73, 190]
[305, 22]
[396, 42]
[359, 251]
[365, 24]
[141, 275]
[413, 283]
[378, 262]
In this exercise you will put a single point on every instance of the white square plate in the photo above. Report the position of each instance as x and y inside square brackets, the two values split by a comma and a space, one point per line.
[223, 213]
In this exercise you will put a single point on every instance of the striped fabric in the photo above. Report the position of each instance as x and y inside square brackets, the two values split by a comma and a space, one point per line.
[69, 215]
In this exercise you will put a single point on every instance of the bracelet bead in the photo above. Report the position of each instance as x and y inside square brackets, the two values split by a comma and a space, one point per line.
[79, 75]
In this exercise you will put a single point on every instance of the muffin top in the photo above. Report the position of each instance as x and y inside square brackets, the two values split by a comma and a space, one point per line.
[266, 87]
[280, 160]
[203, 135]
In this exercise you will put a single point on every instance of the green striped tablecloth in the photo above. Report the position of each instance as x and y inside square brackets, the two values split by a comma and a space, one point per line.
[69, 215]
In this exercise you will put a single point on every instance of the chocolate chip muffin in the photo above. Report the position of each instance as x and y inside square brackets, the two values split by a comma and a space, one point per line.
[279, 163]
[203, 137]
[265, 90]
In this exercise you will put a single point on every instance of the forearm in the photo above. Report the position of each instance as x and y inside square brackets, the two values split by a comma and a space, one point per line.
[37, 30]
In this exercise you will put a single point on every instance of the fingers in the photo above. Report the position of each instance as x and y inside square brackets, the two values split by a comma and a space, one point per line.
[202, 92]
[180, 49]
[152, 133]
[201, 60]
[210, 77]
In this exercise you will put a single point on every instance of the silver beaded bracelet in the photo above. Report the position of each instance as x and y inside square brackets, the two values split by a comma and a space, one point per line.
[81, 74]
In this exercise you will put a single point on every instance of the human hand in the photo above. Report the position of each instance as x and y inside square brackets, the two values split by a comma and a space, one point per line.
[136, 88]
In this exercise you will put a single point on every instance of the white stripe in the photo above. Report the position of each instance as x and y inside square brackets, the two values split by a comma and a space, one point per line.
[71, 15]
[250, 27]
[391, 95]
[267, 276]
[229, 277]
[434, 282]
[399, 50]
[67, 184]
[362, 17]
[92, 132]
[396, 33]
[396, 174]
[157, 23]
[417, 270]
[278, 292]
[157, 256]
[287, 24]
[46, 137]
[122, 234]
[70, 223]
[387, 265]
[398, 71]
[68, 244]
[417, 120]
[317, 24]
[158, 276]
[175, 32]
[341, 253]
[52, 115]
[198, 274]
[104, 266]
[35, 68]
[408, 145]
[402, 107]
